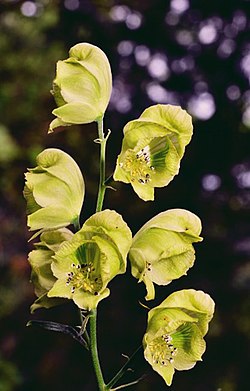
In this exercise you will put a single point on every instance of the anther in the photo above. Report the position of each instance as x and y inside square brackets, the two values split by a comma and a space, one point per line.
[73, 289]
[171, 360]
[73, 265]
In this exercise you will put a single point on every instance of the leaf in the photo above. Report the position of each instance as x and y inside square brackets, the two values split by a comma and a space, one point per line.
[74, 332]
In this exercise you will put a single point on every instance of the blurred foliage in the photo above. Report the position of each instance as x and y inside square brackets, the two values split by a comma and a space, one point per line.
[184, 52]
[9, 376]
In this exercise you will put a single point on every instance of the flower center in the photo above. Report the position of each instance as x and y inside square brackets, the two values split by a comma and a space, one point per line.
[163, 350]
[138, 165]
[84, 275]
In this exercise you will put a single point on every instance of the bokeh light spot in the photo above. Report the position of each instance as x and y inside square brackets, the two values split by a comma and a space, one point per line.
[28, 8]
[246, 117]
[119, 13]
[207, 34]
[125, 48]
[211, 182]
[233, 92]
[179, 6]
[184, 37]
[142, 55]
[226, 48]
[158, 67]
[202, 106]
[134, 20]
[71, 5]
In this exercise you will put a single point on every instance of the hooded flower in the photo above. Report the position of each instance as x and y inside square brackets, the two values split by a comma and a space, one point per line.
[162, 249]
[40, 260]
[152, 148]
[86, 264]
[54, 191]
[82, 86]
[174, 336]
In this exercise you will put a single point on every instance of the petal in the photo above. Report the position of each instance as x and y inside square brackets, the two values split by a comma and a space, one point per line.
[197, 303]
[173, 118]
[177, 220]
[32, 205]
[95, 61]
[51, 217]
[81, 87]
[171, 268]
[190, 345]
[49, 190]
[60, 289]
[145, 192]
[149, 287]
[115, 228]
[78, 113]
[61, 165]
[88, 301]
[53, 239]
[56, 123]
[166, 320]
[45, 302]
[165, 371]
[41, 276]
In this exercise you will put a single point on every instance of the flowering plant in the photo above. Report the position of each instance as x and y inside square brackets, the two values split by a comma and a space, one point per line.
[75, 261]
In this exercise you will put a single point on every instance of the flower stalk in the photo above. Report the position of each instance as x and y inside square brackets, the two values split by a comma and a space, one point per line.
[94, 351]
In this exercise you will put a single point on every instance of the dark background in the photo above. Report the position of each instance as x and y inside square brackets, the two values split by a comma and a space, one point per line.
[192, 53]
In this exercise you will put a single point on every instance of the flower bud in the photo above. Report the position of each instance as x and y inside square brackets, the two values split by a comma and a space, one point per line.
[152, 148]
[82, 86]
[40, 260]
[174, 336]
[86, 264]
[54, 191]
[162, 249]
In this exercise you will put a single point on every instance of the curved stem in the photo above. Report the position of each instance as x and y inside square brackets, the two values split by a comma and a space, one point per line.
[94, 351]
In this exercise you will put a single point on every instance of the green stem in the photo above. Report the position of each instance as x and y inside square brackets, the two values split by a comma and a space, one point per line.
[122, 371]
[93, 313]
[94, 351]
[102, 187]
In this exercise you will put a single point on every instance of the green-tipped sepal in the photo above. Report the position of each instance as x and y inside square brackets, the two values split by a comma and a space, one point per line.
[82, 86]
[162, 249]
[91, 259]
[174, 337]
[152, 148]
[54, 191]
[40, 260]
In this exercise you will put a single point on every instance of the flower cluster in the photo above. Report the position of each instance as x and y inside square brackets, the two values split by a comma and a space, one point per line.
[79, 266]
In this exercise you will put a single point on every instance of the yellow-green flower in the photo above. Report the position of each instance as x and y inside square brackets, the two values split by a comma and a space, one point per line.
[40, 260]
[86, 264]
[82, 86]
[54, 191]
[174, 336]
[162, 249]
[152, 148]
